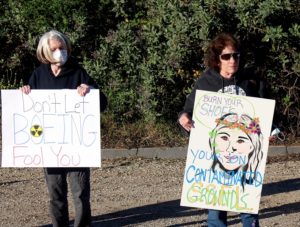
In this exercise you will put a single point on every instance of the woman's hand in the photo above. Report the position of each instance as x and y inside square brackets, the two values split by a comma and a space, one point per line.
[25, 89]
[186, 122]
[276, 134]
[83, 89]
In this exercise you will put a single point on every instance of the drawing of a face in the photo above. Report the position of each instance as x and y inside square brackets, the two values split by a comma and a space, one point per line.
[236, 143]
[232, 147]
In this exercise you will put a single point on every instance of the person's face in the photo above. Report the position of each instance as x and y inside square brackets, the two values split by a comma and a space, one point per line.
[229, 64]
[232, 147]
[59, 52]
[55, 44]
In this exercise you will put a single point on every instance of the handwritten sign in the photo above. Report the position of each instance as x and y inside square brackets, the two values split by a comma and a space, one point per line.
[50, 128]
[227, 152]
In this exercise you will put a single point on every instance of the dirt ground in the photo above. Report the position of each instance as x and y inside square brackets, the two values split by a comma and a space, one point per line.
[145, 192]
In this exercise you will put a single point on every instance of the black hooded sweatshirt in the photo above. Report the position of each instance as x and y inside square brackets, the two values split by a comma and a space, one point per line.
[240, 83]
[71, 76]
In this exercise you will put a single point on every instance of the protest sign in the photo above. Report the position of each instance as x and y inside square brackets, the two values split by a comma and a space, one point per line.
[50, 128]
[227, 152]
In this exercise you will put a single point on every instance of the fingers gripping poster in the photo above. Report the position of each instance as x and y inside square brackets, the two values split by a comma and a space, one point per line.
[227, 152]
[50, 128]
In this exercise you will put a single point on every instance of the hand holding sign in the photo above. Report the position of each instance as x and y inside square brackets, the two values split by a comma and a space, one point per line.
[50, 128]
[227, 152]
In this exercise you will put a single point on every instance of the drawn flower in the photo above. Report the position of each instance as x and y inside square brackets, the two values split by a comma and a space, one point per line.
[254, 126]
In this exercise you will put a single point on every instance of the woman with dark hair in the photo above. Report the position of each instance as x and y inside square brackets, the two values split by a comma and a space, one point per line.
[222, 75]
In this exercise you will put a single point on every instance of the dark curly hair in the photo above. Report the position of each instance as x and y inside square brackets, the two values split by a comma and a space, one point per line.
[216, 47]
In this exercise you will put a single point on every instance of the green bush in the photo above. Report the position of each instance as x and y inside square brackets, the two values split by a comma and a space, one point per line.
[146, 55]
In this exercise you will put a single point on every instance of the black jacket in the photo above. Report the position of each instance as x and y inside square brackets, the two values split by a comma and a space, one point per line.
[70, 77]
[241, 83]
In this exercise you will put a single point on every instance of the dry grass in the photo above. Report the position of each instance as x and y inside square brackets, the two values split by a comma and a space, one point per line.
[141, 134]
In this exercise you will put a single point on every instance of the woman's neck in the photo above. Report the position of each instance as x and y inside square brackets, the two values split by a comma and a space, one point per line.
[55, 69]
[226, 75]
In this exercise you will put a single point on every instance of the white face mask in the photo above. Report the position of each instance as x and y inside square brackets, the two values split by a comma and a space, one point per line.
[60, 56]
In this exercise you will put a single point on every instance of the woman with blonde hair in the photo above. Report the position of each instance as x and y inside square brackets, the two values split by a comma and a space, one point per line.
[58, 70]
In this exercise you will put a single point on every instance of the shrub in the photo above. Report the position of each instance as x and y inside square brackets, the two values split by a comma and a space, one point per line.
[146, 55]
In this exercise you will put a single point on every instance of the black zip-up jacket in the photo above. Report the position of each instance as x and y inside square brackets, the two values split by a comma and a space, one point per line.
[71, 76]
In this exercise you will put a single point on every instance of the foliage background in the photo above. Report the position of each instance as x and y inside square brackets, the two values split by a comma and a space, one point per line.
[146, 55]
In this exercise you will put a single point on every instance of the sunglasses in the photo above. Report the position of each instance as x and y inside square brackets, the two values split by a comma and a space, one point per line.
[226, 57]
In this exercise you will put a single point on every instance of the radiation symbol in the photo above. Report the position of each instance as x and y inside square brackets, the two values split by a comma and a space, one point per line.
[36, 130]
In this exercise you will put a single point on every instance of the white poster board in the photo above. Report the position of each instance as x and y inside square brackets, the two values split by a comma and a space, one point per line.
[50, 128]
[227, 152]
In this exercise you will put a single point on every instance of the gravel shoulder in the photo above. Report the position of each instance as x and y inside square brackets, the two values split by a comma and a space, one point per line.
[145, 192]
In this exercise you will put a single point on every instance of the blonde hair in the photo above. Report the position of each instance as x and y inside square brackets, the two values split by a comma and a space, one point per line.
[44, 53]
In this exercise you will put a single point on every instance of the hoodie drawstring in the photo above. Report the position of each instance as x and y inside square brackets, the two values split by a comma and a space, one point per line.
[222, 85]
[236, 87]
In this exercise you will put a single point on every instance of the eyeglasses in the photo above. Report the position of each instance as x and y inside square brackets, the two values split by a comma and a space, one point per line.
[227, 57]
